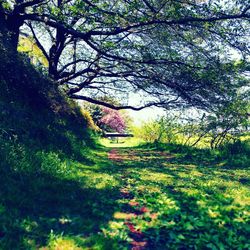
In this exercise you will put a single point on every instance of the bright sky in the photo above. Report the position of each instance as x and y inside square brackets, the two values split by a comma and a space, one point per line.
[145, 114]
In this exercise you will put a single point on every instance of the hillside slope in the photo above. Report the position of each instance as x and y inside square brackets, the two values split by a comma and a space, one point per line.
[42, 134]
[33, 114]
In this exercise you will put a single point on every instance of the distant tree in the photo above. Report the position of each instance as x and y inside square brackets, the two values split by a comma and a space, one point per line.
[228, 123]
[112, 120]
[96, 113]
[163, 129]
[225, 124]
[108, 119]
[177, 52]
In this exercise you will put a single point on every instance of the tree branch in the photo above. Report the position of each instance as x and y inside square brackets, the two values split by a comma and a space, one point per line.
[79, 73]
[21, 6]
[82, 85]
[64, 67]
[246, 9]
[149, 62]
[112, 106]
[38, 42]
[149, 6]
[118, 30]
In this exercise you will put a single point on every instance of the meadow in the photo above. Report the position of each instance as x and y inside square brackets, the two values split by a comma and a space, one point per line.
[143, 197]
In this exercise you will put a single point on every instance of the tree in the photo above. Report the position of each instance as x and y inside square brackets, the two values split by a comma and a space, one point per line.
[163, 129]
[112, 120]
[228, 123]
[225, 124]
[175, 51]
[108, 119]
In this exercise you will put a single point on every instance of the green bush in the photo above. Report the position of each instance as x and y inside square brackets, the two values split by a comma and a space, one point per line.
[238, 147]
[52, 164]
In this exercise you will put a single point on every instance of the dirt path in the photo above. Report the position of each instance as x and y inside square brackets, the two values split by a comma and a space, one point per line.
[139, 241]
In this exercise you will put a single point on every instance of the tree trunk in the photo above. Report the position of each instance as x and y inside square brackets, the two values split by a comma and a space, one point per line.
[198, 140]
[12, 22]
[2, 16]
[54, 54]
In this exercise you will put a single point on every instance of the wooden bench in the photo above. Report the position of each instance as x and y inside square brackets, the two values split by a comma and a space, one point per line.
[117, 135]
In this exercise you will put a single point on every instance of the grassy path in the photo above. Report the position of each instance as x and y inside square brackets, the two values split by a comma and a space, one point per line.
[128, 198]
[132, 209]
[172, 204]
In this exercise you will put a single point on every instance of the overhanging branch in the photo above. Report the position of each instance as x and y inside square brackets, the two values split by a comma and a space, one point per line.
[115, 107]
[38, 41]
[21, 6]
[118, 30]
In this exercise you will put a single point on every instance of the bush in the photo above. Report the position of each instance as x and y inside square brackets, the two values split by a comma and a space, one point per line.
[236, 154]
[238, 147]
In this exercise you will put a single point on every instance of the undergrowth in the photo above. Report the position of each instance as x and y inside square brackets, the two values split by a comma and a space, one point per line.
[230, 155]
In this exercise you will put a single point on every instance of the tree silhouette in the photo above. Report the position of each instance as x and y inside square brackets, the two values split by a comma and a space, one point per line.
[177, 52]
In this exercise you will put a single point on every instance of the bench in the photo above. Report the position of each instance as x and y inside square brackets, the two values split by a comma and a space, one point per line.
[117, 135]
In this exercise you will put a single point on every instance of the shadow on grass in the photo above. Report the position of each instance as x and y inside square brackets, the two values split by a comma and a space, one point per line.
[198, 206]
[31, 207]
[193, 203]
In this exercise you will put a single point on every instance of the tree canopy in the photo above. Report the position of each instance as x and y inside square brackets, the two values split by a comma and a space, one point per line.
[175, 53]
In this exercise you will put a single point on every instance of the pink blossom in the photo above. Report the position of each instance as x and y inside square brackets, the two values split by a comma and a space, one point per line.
[113, 120]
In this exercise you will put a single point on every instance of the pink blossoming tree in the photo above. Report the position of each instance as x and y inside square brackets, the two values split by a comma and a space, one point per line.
[113, 120]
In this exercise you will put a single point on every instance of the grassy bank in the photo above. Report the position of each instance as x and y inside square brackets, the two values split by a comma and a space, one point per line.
[43, 139]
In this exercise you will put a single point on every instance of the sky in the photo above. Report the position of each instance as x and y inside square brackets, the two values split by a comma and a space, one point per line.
[145, 114]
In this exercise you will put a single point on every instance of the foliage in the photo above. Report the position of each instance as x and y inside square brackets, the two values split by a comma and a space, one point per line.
[162, 129]
[224, 125]
[112, 120]
[236, 154]
[230, 155]
[229, 122]
[174, 53]
[108, 119]
[56, 191]
[29, 46]
[88, 117]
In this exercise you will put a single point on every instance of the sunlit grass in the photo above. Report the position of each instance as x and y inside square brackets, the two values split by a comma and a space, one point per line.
[98, 180]
[195, 206]
[122, 142]
[191, 205]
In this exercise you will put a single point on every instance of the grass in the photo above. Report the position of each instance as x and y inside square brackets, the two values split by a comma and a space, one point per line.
[196, 206]
[49, 210]
[122, 142]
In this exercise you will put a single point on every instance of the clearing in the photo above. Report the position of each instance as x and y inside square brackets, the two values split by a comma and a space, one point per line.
[130, 198]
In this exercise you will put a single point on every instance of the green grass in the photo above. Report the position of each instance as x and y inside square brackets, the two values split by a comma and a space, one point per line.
[121, 143]
[198, 206]
[44, 209]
